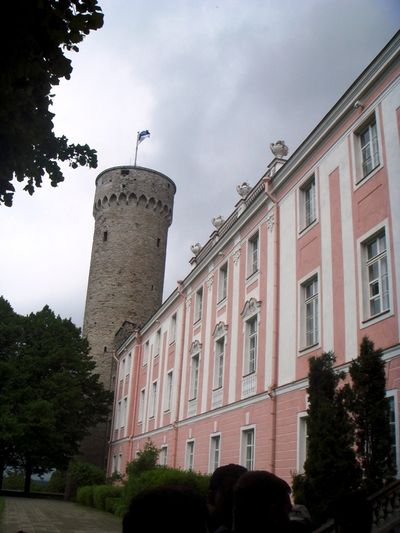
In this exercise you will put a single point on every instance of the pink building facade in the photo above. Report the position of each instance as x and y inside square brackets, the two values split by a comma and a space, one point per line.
[307, 262]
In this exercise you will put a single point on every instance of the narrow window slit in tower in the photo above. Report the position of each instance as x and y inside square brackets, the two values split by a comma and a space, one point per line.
[105, 236]
[158, 243]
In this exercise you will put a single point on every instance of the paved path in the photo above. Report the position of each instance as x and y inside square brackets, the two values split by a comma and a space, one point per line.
[54, 516]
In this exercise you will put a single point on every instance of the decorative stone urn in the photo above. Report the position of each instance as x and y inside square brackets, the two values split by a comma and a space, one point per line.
[218, 221]
[195, 248]
[243, 189]
[279, 149]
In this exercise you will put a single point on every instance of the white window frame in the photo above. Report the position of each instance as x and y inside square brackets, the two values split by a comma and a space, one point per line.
[392, 394]
[124, 412]
[157, 343]
[198, 305]
[163, 457]
[129, 364]
[172, 328]
[194, 375]
[308, 213]
[214, 460]
[253, 254]
[122, 369]
[369, 148]
[219, 363]
[168, 390]
[373, 147]
[118, 415]
[309, 339]
[146, 351]
[223, 282]
[142, 399]
[189, 454]
[244, 444]
[382, 257]
[302, 436]
[153, 399]
[250, 345]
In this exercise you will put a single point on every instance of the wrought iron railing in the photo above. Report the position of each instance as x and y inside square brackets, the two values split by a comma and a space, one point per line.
[385, 509]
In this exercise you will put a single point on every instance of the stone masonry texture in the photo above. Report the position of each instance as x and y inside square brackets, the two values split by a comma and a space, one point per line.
[133, 211]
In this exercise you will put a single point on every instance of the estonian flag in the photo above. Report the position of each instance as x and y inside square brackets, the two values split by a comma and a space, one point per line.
[142, 135]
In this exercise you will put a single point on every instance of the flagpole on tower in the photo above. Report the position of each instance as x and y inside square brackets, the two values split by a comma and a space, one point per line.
[137, 144]
[141, 136]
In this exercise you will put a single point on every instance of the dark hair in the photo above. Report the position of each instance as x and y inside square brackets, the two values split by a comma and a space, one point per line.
[226, 476]
[220, 494]
[167, 508]
[261, 502]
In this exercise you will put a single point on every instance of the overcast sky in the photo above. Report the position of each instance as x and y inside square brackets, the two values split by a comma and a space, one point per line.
[215, 82]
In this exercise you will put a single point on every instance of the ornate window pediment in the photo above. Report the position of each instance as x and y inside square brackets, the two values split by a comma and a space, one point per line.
[220, 329]
[195, 347]
[250, 308]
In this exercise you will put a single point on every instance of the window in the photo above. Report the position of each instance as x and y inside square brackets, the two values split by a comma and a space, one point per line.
[307, 203]
[163, 456]
[250, 346]
[302, 441]
[128, 364]
[141, 404]
[219, 363]
[122, 370]
[172, 329]
[215, 452]
[118, 415]
[310, 327]
[194, 376]
[146, 350]
[252, 257]
[153, 400]
[375, 275]
[198, 305]
[223, 282]
[189, 459]
[248, 445]
[168, 391]
[157, 343]
[124, 412]
[369, 148]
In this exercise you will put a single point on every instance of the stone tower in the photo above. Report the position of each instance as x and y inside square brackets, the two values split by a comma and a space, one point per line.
[133, 211]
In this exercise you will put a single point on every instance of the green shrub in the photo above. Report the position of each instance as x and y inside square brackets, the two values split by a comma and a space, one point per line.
[111, 504]
[57, 482]
[160, 477]
[81, 474]
[102, 492]
[146, 460]
[13, 481]
[84, 495]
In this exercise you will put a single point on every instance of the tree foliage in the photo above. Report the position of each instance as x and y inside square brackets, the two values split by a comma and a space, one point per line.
[146, 459]
[331, 469]
[32, 62]
[49, 394]
[370, 409]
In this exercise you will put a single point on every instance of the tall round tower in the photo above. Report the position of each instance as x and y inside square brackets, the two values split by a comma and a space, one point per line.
[132, 210]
